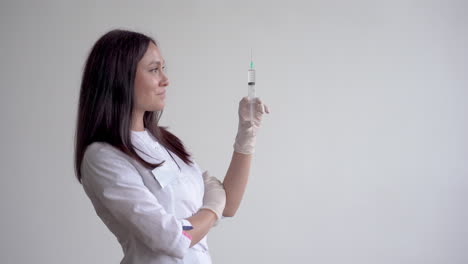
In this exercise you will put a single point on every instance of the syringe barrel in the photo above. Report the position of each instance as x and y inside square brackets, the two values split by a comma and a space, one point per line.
[251, 77]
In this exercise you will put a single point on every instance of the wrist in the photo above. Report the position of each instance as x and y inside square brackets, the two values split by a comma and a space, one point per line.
[244, 144]
[210, 212]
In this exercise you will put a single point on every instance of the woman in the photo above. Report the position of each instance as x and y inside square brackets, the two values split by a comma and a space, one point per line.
[139, 177]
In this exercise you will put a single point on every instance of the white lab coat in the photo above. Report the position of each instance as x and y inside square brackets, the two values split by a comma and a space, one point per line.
[145, 217]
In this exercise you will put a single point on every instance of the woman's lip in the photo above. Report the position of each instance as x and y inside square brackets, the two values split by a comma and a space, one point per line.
[162, 93]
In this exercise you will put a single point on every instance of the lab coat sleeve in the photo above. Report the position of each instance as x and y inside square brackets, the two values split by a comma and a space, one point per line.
[118, 187]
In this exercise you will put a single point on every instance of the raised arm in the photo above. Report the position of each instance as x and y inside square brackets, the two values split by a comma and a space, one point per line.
[235, 181]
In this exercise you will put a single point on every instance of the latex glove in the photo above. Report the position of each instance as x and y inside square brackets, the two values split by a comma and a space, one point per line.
[214, 198]
[247, 129]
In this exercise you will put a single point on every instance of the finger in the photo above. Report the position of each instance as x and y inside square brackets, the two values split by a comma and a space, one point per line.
[213, 181]
[259, 108]
[258, 118]
[244, 100]
[266, 109]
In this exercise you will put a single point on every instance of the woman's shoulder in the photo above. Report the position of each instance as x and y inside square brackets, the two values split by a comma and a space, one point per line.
[99, 151]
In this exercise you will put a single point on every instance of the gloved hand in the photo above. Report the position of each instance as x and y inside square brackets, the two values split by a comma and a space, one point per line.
[214, 198]
[247, 129]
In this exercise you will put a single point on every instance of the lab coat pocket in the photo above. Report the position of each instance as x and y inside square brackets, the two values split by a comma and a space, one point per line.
[165, 175]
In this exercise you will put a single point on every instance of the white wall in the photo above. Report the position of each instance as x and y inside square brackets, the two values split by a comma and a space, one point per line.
[362, 160]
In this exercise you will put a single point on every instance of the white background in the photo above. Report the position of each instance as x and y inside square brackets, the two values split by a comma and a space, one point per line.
[363, 158]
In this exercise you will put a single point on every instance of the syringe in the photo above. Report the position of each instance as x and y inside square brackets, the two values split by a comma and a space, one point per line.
[251, 86]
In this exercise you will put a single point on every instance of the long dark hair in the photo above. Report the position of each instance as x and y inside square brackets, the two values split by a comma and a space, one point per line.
[106, 99]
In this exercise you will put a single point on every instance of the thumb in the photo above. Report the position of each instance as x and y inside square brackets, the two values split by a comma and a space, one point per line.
[205, 175]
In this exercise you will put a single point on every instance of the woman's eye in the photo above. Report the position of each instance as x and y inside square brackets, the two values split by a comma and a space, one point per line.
[157, 69]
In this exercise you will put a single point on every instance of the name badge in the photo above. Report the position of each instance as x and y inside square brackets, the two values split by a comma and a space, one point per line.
[164, 174]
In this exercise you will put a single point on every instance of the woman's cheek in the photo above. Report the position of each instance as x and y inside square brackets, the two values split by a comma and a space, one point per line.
[155, 82]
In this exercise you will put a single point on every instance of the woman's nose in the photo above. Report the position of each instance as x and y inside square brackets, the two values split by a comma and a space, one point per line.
[164, 80]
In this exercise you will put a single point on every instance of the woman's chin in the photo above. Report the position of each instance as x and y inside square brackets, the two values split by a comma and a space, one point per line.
[159, 106]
